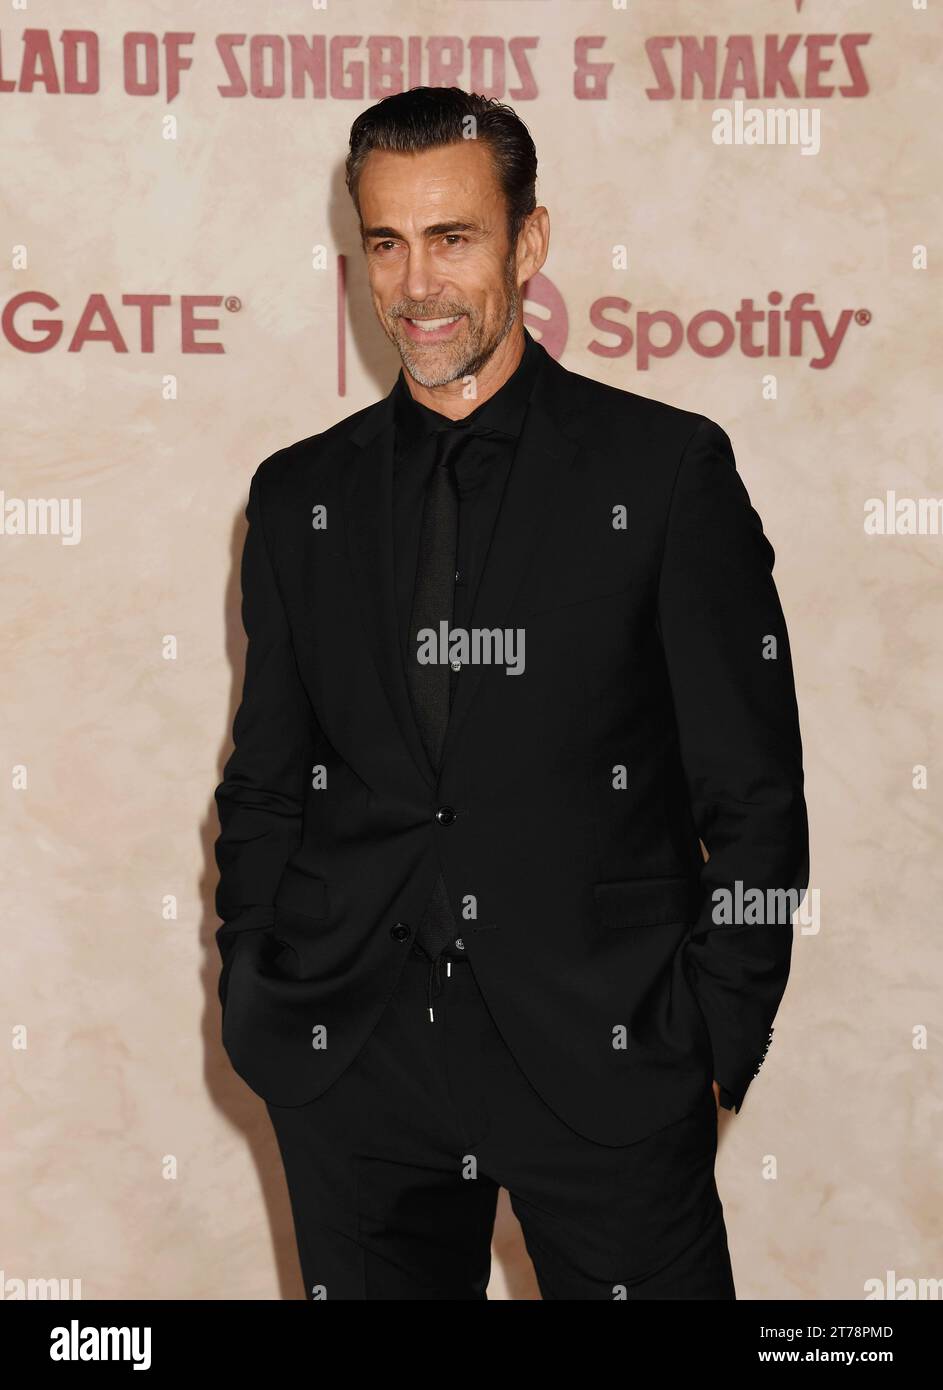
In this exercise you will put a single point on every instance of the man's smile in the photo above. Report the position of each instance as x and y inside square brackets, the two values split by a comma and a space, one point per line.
[432, 330]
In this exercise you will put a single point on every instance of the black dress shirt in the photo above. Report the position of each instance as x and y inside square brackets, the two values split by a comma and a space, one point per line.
[482, 472]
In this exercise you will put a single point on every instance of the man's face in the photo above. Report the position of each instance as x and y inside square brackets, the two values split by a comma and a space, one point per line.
[436, 242]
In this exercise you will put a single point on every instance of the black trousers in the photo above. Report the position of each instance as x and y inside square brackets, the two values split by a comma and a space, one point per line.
[393, 1173]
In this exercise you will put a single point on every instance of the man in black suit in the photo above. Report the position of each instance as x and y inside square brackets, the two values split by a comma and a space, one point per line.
[514, 653]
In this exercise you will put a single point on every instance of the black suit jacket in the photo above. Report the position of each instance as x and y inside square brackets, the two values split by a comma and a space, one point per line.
[656, 709]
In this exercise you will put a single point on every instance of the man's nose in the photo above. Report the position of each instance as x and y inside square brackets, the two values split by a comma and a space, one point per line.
[419, 279]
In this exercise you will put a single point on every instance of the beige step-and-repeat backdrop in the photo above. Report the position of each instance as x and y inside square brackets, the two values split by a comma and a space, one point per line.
[745, 212]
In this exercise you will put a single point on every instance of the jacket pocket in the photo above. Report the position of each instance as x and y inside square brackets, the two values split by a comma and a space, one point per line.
[646, 902]
[299, 892]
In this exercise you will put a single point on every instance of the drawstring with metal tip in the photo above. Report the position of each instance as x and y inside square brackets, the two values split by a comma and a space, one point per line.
[433, 978]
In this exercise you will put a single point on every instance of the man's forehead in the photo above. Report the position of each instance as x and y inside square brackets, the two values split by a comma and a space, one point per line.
[431, 193]
[439, 173]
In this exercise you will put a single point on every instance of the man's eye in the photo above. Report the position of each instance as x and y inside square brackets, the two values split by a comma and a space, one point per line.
[453, 237]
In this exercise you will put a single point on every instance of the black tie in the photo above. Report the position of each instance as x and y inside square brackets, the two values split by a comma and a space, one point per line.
[434, 591]
[429, 685]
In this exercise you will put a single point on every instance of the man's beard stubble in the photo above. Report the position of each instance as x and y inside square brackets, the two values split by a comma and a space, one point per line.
[476, 349]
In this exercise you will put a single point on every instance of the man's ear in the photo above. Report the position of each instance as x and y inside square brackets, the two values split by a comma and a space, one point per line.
[533, 245]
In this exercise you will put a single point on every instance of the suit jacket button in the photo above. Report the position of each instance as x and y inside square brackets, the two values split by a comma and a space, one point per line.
[400, 932]
[445, 815]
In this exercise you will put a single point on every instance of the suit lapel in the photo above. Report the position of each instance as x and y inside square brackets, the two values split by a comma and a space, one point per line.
[545, 450]
[368, 506]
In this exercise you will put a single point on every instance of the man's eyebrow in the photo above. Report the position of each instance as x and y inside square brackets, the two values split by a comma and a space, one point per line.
[437, 229]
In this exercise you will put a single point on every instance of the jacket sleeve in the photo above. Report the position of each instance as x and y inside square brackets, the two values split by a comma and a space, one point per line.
[730, 670]
[260, 800]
